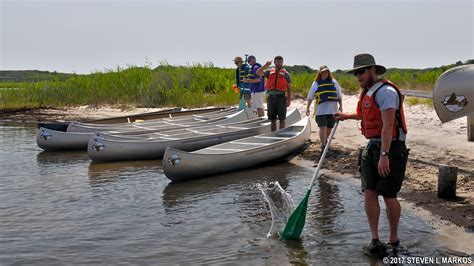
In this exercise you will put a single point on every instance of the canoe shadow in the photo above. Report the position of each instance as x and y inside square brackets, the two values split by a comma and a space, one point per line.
[103, 173]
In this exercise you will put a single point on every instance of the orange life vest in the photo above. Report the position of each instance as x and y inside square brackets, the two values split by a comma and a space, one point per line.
[369, 112]
[277, 80]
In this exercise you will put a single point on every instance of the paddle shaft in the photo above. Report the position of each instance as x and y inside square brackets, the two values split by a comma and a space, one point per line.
[321, 160]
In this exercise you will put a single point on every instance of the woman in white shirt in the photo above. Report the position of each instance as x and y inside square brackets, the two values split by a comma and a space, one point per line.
[328, 95]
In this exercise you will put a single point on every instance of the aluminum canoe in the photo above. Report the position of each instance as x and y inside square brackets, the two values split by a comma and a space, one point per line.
[103, 149]
[53, 140]
[85, 127]
[180, 165]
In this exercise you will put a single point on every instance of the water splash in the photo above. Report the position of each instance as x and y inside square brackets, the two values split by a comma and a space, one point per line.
[281, 206]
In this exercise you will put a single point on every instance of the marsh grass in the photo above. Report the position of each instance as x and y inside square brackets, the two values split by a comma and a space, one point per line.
[195, 85]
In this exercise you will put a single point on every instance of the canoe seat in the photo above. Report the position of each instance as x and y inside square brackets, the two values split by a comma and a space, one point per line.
[249, 143]
[223, 149]
[287, 134]
[268, 137]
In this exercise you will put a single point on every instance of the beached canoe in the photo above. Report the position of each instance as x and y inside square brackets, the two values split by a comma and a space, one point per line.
[103, 149]
[52, 140]
[175, 112]
[84, 127]
[62, 125]
[238, 154]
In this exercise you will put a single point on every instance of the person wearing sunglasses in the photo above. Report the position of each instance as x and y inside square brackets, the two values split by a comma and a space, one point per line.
[383, 161]
[328, 95]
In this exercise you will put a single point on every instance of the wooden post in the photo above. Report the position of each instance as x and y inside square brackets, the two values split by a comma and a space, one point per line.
[470, 128]
[447, 178]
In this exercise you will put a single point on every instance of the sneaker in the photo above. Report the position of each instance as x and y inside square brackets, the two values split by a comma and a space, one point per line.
[393, 247]
[376, 249]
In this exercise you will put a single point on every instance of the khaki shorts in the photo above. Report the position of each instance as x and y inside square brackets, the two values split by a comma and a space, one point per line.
[390, 185]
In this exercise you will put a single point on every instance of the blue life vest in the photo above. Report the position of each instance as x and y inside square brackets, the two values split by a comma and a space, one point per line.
[241, 74]
[256, 87]
[326, 91]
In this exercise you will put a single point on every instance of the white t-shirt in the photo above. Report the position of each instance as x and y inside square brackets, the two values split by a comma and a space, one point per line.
[325, 108]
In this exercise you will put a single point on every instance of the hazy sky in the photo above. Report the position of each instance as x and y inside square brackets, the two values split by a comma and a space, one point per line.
[86, 35]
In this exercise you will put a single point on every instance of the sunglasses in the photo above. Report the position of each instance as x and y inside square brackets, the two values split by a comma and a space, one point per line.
[361, 71]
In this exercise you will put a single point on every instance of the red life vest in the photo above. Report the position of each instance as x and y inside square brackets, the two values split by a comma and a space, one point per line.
[276, 80]
[369, 112]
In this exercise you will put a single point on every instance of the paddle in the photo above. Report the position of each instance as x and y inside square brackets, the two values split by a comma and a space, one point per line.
[295, 223]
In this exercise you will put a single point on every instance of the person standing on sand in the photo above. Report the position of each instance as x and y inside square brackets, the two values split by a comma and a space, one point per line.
[384, 159]
[240, 74]
[257, 86]
[278, 84]
[328, 95]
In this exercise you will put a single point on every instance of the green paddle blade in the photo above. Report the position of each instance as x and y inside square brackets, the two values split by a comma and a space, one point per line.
[295, 223]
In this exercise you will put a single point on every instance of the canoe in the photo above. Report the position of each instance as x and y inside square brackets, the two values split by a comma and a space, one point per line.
[453, 93]
[180, 165]
[52, 140]
[103, 149]
[84, 127]
[62, 126]
[175, 112]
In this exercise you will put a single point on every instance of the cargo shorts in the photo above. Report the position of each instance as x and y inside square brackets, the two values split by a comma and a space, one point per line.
[390, 185]
[276, 107]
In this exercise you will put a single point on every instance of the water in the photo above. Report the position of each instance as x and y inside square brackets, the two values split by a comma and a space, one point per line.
[281, 206]
[58, 208]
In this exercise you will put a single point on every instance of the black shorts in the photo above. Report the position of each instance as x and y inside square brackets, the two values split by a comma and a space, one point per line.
[276, 107]
[325, 121]
[390, 185]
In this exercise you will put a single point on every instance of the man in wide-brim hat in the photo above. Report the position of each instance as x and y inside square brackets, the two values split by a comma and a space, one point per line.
[383, 161]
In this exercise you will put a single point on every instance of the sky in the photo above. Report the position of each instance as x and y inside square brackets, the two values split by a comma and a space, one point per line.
[95, 35]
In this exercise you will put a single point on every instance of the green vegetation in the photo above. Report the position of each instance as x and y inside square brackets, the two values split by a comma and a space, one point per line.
[190, 86]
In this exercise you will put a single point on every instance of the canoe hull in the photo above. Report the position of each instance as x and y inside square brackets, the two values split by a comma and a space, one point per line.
[183, 166]
[52, 140]
[103, 149]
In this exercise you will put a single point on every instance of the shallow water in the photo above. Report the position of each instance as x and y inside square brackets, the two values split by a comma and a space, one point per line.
[58, 208]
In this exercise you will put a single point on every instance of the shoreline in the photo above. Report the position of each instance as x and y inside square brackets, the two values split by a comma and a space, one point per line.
[431, 143]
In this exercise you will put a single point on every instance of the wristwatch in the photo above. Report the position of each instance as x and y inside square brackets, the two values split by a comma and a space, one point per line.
[383, 153]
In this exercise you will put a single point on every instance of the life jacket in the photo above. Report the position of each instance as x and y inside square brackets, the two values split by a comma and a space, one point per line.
[256, 87]
[242, 73]
[277, 80]
[326, 91]
[369, 112]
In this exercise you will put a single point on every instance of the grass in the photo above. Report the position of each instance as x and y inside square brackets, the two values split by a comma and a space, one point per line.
[196, 85]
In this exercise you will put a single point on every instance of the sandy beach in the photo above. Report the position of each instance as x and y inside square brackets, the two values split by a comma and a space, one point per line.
[431, 143]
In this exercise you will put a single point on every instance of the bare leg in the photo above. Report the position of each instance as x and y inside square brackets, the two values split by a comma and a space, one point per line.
[393, 217]
[323, 135]
[249, 102]
[273, 125]
[372, 210]
[260, 112]
[282, 123]
[328, 132]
